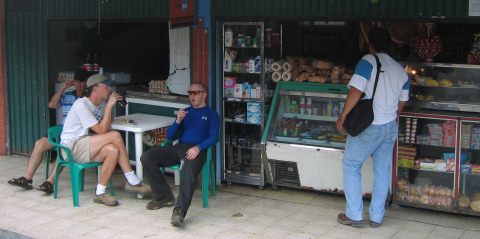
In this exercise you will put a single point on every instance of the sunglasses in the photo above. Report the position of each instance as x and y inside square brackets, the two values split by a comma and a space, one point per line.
[195, 92]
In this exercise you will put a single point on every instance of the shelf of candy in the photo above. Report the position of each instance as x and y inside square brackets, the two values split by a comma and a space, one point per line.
[236, 91]
[439, 134]
[427, 194]
[470, 203]
[406, 156]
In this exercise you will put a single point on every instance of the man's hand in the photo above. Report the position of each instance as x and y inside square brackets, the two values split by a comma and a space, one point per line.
[192, 152]
[181, 115]
[67, 85]
[114, 97]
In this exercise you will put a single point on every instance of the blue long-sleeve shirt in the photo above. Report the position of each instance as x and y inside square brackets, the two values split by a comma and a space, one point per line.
[200, 126]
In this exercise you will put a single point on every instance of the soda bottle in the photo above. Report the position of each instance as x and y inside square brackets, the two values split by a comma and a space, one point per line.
[96, 64]
[86, 64]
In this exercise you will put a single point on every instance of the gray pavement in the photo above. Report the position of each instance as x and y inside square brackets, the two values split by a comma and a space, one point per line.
[236, 212]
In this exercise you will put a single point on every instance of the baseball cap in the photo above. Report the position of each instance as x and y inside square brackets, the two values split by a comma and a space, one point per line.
[98, 78]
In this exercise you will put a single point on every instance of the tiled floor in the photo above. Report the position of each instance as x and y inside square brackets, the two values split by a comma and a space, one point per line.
[236, 212]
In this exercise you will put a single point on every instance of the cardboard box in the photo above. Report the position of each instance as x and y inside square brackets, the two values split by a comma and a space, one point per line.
[238, 93]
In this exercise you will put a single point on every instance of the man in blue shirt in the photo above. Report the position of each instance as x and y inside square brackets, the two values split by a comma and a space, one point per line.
[197, 127]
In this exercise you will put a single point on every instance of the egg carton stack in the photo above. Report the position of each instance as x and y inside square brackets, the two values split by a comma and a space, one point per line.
[436, 134]
[475, 138]
[466, 135]
[449, 133]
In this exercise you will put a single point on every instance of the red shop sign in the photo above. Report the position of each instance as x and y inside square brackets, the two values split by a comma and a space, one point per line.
[182, 12]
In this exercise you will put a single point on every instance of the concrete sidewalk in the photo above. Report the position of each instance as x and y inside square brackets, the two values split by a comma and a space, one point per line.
[236, 212]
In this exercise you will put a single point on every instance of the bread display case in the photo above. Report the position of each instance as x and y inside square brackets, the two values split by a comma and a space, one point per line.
[302, 144]
[438, 162]
[440, 86]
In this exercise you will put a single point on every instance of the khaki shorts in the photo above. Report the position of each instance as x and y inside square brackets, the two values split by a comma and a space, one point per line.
[80, 150]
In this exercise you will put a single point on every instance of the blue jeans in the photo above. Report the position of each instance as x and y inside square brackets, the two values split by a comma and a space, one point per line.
[378, 141]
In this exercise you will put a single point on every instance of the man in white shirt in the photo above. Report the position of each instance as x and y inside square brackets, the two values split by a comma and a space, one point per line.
[94, 113]
[378, 139]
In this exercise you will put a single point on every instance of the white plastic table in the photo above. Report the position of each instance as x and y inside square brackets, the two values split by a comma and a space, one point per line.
[142, 123]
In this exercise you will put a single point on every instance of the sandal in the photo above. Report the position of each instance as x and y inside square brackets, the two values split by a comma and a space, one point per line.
[21, 182]
[46, 187]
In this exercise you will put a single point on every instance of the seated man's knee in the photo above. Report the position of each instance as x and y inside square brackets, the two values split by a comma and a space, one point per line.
[115, 134]
[110, 150]
[42, 143]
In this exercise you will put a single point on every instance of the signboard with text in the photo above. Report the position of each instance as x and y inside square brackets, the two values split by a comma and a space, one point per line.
[182, 13]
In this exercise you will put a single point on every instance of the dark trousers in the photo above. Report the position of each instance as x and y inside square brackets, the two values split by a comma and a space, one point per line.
[169, 155]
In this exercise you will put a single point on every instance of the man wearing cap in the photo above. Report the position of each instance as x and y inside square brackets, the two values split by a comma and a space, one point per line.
[94, 113]
[42, 145]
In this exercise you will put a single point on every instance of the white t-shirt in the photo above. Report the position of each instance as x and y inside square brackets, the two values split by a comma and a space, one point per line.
[393, 85]
[80, 118]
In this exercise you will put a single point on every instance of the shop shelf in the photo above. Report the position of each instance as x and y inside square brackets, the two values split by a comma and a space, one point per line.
[310, 117]
[235, 99]
[228, 120]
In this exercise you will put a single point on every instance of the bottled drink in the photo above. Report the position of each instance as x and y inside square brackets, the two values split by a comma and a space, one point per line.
[228, 37]
[96, 64]
[86, 64]
[122, 103]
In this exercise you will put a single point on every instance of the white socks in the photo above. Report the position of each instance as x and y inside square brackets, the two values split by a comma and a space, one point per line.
[132, 178]
[100, 189]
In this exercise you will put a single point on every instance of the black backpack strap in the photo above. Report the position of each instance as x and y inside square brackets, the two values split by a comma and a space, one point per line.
[379, 67]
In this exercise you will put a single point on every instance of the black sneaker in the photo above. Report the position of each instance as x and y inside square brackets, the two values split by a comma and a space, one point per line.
[157, 204]
[21, 182]
[177, 217]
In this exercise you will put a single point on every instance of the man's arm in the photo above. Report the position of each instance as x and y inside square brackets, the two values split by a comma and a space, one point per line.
[401, 105]
[352, 99]
[55, 100]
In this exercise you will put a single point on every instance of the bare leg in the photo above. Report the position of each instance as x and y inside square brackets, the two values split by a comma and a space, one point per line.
[97, 142]
[51, 178]
[109, 156]
[36, 157]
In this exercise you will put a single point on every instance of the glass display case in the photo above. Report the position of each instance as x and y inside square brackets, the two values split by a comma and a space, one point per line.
[426, 161]
[302, 144]
[469, 186]
[245, 94]
[440, 86]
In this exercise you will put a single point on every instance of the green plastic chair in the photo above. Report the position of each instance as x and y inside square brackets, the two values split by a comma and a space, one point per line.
[208, 175]
[77, 170]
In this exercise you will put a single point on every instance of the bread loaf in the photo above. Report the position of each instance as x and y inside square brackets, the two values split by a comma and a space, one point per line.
[464, 201]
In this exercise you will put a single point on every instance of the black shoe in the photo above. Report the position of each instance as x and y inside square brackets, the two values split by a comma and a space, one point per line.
[343, 219]
[374, 224]
[46, 187]
[21, 182]
[177, 217]
[157, 204]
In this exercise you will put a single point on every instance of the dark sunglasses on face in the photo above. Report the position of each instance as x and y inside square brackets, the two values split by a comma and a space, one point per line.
[195, 92]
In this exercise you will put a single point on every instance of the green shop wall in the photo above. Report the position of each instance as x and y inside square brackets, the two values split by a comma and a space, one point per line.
[26, 55]
[285, 9]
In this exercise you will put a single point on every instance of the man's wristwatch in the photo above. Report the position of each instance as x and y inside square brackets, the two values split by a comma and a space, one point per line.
[199, 149]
